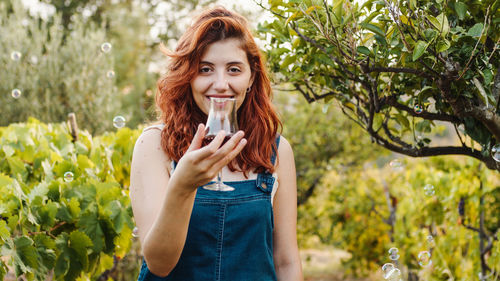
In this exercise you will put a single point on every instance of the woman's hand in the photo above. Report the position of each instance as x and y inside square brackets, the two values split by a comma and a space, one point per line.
[199, 165]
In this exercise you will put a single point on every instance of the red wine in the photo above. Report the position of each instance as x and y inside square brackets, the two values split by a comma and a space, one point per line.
[208, 139]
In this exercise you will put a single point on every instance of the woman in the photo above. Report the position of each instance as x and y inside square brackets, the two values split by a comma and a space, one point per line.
[188, 233]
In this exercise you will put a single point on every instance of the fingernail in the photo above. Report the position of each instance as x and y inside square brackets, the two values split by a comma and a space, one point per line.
[243, 141]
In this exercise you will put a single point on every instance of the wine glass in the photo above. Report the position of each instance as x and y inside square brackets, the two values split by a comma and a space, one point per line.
[221, 116]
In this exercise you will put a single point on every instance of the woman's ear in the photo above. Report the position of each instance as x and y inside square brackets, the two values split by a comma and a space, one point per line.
[252, 78]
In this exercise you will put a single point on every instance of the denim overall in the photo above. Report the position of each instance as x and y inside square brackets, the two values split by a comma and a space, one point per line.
[229, 236]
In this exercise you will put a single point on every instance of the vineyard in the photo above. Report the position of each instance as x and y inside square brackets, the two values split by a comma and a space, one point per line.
[392, 109]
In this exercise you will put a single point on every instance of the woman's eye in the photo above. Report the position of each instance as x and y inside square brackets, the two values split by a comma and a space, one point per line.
[234, 69]
[204, 69]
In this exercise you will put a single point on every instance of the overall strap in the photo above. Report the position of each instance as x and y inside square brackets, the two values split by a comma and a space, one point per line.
[273, 156]
[265, 181]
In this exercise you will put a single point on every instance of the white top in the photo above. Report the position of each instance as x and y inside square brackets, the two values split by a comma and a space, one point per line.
[226, 174]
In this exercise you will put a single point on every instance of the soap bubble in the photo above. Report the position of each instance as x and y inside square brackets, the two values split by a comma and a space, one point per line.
[424, 259]
[391, 273]
[16, 93]
[135, 232]
[396, 165]
[106, 47]
[15, 56]
[495, 152]
[429, 190]
[393, 254]
[119, 121]
[110, 74]
[34, 59]
[68, 177]
[418, 108]
[387, 269]
[430, 241]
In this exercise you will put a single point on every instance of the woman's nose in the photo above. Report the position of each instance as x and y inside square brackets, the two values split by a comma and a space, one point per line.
[220, 83]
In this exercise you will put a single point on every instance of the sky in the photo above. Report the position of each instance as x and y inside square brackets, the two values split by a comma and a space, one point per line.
[45, 10]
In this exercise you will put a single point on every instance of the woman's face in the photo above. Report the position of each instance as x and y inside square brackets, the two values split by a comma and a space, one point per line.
[224, 71]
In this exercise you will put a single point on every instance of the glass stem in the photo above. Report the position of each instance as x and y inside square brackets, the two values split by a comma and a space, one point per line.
[219, 178]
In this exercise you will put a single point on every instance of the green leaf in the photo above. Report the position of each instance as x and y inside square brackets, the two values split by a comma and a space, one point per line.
[4, 231]
[444, 26]
[403, 120]
[25, 258]
[373, 28]
[419, 50]
[45, 247]
[117, 215]
[81, 243]
[47, 213]
[17, 166]
[287, 61]
[5, 180]
[423, 126]
[430, 34]
[89, 223]
[461, 10]
[476, 30]
[62, 265]
[488, 76]
[84, 162]
[40, 190]
[291, 18]
[434, 21]
[377, 122]
[443, 45]
[363, 50]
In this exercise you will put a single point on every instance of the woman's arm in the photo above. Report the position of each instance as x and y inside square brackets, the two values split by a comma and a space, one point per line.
[162, 205]
[286, 252]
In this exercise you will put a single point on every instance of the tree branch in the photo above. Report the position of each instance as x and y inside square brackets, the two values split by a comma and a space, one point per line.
[401, 70]
[309, 192]
[392, 101]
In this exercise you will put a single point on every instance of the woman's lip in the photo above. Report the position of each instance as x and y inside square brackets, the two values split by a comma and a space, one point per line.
[219, 96]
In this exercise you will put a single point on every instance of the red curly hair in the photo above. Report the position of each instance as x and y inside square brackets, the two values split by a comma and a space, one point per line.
[179, 112]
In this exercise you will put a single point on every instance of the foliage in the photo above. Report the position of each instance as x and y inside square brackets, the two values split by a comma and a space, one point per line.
[322, 139]
[50, 222]
[55, 76]
[397, 67]
[352, 210]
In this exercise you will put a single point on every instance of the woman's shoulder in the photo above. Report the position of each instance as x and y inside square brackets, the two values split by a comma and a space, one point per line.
[150, 134]
[283, 145]
[156, 127]
[150, 139]
[148, 149]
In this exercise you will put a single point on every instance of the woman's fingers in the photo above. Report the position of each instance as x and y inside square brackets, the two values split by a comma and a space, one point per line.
[197, 139]
[211, 148]
[228, 148]
[227, 157]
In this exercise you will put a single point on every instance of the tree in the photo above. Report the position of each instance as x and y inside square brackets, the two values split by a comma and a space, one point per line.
[50, 77]
[397, 68]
